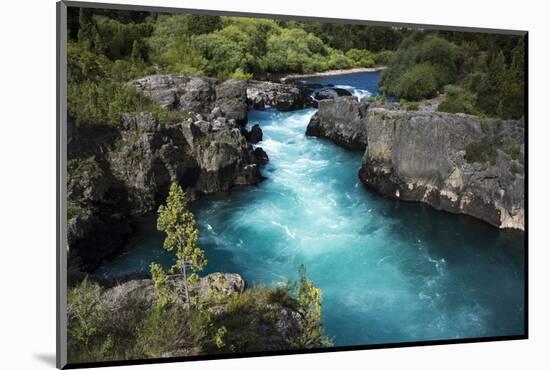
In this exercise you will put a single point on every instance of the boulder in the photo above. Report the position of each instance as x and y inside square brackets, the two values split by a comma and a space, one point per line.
[283, 97]
[261, 156]
[342, 120]
[255, 135]
[203, 96]
[231, 99]
[331, 93]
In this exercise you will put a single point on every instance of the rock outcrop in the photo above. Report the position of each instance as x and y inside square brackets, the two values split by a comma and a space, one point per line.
[274, 324]
[453, 162]
[230, 98]
[196, 94]
[255, 135]
[205, 157]
[331, 93]
[131, 176]
[343, 120]
[281, 96]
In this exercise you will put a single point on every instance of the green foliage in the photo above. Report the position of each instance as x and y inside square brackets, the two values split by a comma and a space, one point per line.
[87, 325]
[104, 103]
[181, 234]
[87, 315]
[162, 330]
[420, 67]
[295, 50]
[458, 100]
[73, 209]
[480, 152]
[486, 69]
[383, 58]
[361, 58]
[309, 300]
[485, 150]
[412, 107]
[160, 282]
[83, 170]
[117, 40]
[219, 338]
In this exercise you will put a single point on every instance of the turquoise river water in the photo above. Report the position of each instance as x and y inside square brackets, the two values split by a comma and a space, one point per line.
[389, 271]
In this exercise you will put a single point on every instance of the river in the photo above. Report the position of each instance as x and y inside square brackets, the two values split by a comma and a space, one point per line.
[389, 271]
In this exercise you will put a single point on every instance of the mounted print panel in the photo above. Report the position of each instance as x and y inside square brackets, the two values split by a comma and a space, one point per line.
[247, 185]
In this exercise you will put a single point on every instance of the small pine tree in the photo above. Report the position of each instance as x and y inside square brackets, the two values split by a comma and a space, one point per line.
[309, 300]
[160, 282]
[181, 235]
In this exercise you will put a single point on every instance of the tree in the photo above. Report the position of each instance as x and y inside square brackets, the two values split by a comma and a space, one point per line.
[181, 235]
[87, 31]
[160, 282]
[309, 300]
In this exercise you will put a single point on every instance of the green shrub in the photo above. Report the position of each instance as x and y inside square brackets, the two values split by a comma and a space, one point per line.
[73, 209]
[86, 327]
[417, 83]
[383, 58]
[337, 60]
[83, 169]
[481, 152]
[413, 107]
[458, 100]
[360, 58]
[421, 67]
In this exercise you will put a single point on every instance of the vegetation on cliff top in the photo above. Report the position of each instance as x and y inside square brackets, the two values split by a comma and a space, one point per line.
[480, 74]
[107, 48]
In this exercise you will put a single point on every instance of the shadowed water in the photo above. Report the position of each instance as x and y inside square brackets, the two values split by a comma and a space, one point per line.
[389, 271]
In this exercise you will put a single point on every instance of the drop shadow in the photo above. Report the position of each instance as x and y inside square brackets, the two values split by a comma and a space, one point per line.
[46, 358]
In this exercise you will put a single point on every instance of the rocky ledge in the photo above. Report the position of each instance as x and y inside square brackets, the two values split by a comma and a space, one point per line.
[341, 119]
[454, 162]
[232, 97]
[281, 96]
[274, 324]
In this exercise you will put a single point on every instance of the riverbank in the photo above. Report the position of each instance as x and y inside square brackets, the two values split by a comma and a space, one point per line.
[333, 72]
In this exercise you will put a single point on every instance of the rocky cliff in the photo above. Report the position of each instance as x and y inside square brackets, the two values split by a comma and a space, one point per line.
[116, 172]
[453, 162]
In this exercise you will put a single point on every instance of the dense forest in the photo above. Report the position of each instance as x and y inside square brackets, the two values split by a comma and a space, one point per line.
[479, 73]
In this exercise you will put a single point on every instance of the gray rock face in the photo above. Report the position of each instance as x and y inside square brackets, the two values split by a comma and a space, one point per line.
[195, 94]
[204, 157]
[283, 97]
[421, 156]
[231, 99]
[343, 120]
[432, 157]
[143, 290]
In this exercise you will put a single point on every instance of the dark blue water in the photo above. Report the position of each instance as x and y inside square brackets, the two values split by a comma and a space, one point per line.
[362, 84]
[390, 271]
